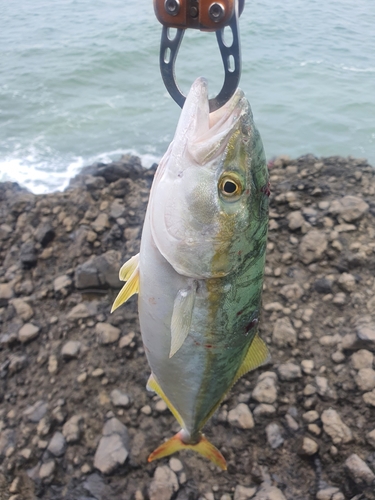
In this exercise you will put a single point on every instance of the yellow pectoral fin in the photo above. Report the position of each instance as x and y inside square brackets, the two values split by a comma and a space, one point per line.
[130, 288]
[257, 355]
[128, 268]
[203, 447]
[153, 385]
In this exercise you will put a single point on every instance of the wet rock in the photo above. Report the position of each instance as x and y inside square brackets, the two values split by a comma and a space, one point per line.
[274, 436]
[99, 272]
[107, 333]
[335, 427]
[164, 484]
[289, 371]
[28, 332]
[241, 417]
[283, 333]
[313, 246]
[359, 471]
[71, 349]
[36, 412]
[57, 445]
[265, 391]
[72, 429]
[349, 208]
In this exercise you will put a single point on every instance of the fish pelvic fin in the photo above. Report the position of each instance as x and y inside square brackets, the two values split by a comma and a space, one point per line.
[181, 317]
[257, 355]
[153, 385]
[129, 272]
[203, 447]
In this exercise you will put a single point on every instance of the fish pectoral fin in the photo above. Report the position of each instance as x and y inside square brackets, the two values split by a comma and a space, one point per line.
[153, 385]
[130, 288]
[181, 317]
[129, 267]
[257, 355]
[203, 447]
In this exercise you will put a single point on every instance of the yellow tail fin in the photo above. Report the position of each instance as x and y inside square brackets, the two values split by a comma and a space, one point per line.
[203, 447]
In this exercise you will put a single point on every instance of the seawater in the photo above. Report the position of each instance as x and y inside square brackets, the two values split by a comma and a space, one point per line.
[80, 82]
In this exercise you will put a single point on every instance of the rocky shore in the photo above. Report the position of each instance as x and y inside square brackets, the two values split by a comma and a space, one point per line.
[76, 421]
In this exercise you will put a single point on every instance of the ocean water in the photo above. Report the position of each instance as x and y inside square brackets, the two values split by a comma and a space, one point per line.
[80, 82]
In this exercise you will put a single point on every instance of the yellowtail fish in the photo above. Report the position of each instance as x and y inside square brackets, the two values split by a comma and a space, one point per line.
[200, 269]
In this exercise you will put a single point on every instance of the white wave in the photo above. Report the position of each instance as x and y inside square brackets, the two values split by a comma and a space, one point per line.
[358, 70]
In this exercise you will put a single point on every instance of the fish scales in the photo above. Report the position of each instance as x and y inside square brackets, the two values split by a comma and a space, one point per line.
[201, 264]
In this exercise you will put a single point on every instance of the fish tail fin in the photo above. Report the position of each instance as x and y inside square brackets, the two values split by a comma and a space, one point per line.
[203, 447]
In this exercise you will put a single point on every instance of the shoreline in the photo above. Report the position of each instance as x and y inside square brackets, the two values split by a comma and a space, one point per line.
[76, 420]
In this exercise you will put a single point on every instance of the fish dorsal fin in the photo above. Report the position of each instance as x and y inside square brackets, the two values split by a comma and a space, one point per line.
[129, 273]
[128, 268]
[153, 385]
[181, 317]
[257, 355]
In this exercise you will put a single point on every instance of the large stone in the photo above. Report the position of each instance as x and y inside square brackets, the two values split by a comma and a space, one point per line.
[335, 427]
[110, 453]
[101, 223]
[107, 333]
[241, 417]
[99, 272]
[289, 371]
[44, 233]
[120, 399]
[283, 333]
[313, 246]
[243, 492]
[57, 445]
[164, 484]
[23, 309]
[360, 472]
[71, 349]
[47, 469]
[62, 283]
[6, 293]
[28, 332]
[72, 429]
[36, 412]
[265, 391]
[268, 492]
[365, 379]
[28, 254]
[292, 292]
[349, 208]
[362, 359]
[274, 437]
[82, 311]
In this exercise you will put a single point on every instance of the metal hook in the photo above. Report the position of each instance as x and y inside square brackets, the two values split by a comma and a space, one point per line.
[231, 57]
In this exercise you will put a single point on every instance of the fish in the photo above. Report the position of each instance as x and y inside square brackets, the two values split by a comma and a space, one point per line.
[199, 272]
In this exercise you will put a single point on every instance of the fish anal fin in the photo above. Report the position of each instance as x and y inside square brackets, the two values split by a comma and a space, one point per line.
[257, 355]
[130, 288]
[129, 267]
[181, 317]
[154, 386]
[203, 447]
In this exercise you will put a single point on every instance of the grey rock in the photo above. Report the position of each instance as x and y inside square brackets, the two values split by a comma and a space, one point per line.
[62, 283]
[241, 417]
[95, 485]
[359, 470]
[274, 436]
[114, 426]
[44, 233]
[369, 398]
[292, 292]
[72, 429]
[99, 272]
[308, 447]
[349, 208]
[28, 332]
[7, 440]
[101, 223]
[243, 492]
[117, 209]
[371, 438]
[28, 255]
[264, 410]
[21, 202]
[6, 293]
[313, 246]
[120, 399]
[327, 493]
[362, 359]
[289, 371]
[110, 453]
[107, 333]
[47, 469]
[5, 231]
[335, 427]
[164, 484]
[82, 311]
[71, 349]
[366, 331]
[23, 309]
[323, 285]
[283, 333]
[295, 220]
[36, 412]
[57, 445]
[265, 390]
[16, 363]
[347, 282]
[268, 492]
[310, 416]
[365, 379]
[323, 388]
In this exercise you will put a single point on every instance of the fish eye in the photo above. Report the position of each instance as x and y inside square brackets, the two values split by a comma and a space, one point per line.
[230, 186]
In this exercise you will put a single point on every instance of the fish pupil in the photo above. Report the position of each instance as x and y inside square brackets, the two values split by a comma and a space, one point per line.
[229, 187]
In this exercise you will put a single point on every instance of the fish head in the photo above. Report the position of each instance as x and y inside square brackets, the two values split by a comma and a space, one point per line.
[206, 200]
